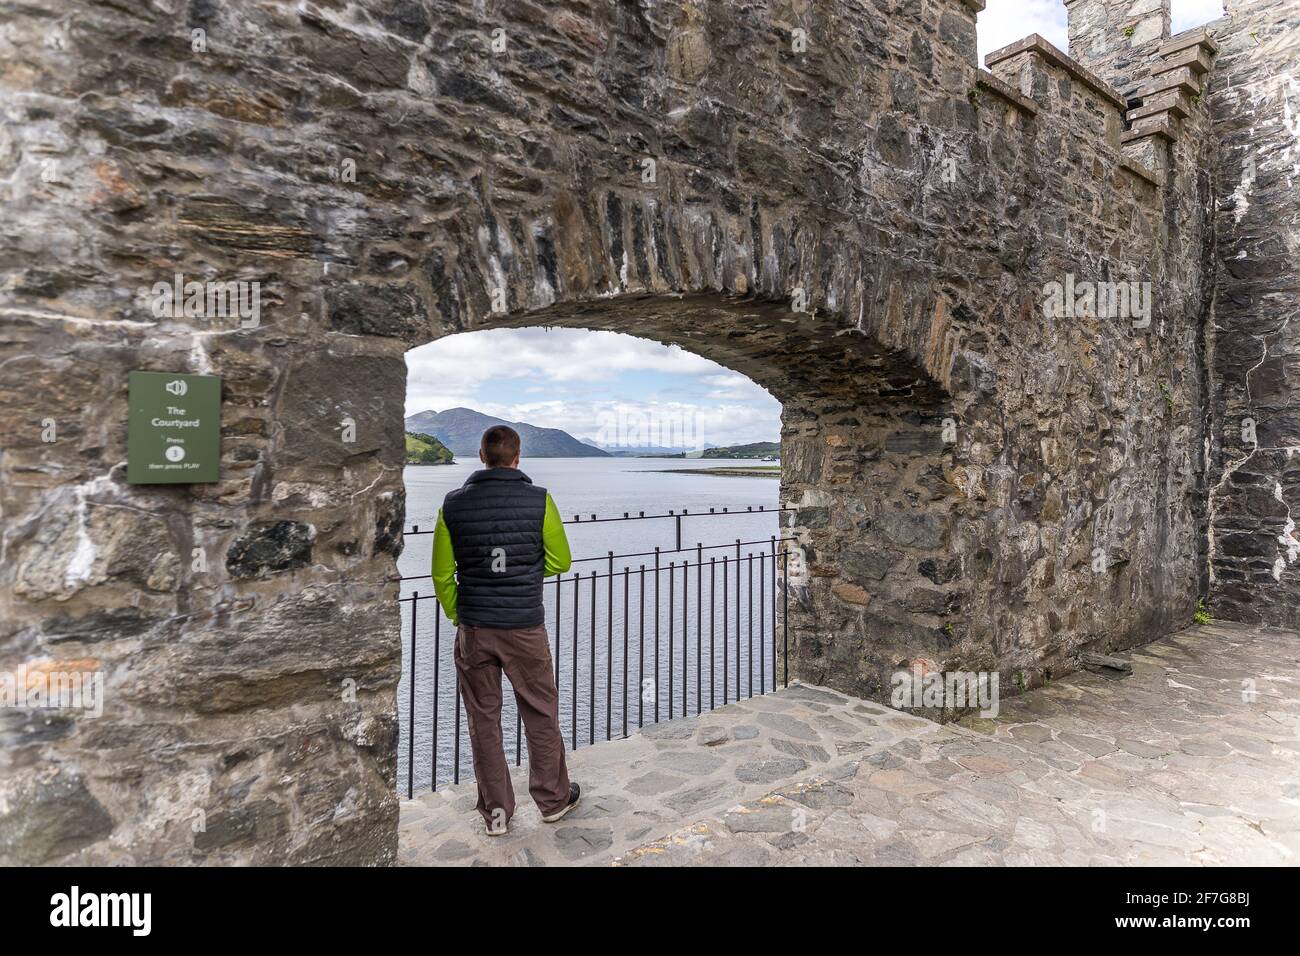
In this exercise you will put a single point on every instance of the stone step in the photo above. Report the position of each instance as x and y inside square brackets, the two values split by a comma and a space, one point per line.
[1162, 125]
[1194, 59]
[1174, 102]
[1199, 37]
[1180, 79]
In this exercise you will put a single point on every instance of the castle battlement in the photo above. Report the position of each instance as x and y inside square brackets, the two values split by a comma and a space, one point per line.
[1122, 52]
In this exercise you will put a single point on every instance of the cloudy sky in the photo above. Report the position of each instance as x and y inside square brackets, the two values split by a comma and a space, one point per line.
[611, 388]
[590, 382]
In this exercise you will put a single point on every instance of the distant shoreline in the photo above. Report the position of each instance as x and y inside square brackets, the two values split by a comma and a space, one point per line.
[732, 471]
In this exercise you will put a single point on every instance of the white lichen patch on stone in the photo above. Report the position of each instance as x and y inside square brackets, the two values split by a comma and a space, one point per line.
[1241, 195]
[1287, 538]
[1291, 122]
[82, 562]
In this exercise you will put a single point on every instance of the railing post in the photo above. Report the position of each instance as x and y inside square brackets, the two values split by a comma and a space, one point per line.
[455, 778]
[699, 625]
[749, 628]
[737, 619]
[773, 618]
[726, 692]
[672, 579]
[437, 679]
[785, 614]
[625, 616]
[762, 623]
[640, 651]
[573, 711]
[656, 634]
[713, 616]
[609, 647]
[410, 743]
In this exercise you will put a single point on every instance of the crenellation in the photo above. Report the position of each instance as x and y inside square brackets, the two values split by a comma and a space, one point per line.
[1036, 45]
[986, 80]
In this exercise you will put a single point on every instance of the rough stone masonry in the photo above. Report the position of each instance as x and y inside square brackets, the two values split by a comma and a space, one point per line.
[1018, 319]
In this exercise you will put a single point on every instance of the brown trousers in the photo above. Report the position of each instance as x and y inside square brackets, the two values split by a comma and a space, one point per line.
[482, 653]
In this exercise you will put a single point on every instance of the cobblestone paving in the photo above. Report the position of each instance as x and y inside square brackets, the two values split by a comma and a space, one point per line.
[1192, 759]
[667, 775]
[1176, 764]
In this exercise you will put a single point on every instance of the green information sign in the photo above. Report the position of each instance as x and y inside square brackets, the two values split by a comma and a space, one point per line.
[173, 433]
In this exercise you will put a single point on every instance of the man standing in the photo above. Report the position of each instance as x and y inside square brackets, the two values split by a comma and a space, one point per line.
[496, 539]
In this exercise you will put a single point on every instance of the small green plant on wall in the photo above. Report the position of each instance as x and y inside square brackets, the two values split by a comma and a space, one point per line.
[1129, 31]
[1168, 395]
[1202, 615]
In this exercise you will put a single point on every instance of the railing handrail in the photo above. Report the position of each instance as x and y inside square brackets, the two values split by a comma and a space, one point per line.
[657, 552]
[642, 516]
[628, 517]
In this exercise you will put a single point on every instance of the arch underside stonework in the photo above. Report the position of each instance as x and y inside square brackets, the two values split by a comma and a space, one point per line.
[856, 227]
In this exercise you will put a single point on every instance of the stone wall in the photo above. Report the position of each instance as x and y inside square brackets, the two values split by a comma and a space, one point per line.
[1255, 500]
[829, 197]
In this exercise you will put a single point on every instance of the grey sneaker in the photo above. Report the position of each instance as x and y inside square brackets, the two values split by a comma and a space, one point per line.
[575, 793]
[497, 827]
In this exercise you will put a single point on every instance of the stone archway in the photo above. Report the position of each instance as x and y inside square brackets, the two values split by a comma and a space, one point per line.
[875, 582]
[389, 173]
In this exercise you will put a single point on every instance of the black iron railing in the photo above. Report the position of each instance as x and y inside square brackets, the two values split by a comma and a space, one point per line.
[695, 628]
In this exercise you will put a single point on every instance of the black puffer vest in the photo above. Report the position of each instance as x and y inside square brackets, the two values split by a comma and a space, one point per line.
[495, 522]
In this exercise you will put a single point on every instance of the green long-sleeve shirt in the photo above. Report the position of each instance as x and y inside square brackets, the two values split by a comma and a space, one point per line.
[555, 545]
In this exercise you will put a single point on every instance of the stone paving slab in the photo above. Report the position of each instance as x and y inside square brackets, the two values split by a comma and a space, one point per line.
[1194, 759]
[665, 776]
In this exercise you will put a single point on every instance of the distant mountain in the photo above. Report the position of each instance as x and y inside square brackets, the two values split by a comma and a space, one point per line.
[640, 451]
[424, 449]
[460, 429]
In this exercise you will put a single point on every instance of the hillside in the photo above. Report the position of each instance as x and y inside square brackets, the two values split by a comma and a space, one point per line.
[759, 449]
[424, 449]
[461, 428]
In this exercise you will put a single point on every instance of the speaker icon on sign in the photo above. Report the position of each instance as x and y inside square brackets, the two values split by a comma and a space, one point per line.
[177, 387]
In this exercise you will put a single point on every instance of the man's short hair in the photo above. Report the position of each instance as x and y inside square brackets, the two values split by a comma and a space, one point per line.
[500, 446]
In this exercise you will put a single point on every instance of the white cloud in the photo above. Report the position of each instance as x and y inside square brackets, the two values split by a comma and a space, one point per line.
[509, 373]
[1003, 22]
[656, 422]
[461, 363]
[1194, 13]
